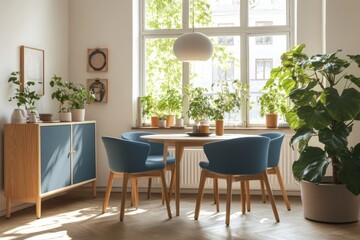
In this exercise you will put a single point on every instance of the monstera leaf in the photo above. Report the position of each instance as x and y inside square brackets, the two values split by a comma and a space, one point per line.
[345, 107]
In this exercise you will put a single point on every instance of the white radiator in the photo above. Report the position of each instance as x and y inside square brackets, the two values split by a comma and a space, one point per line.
[190, 171]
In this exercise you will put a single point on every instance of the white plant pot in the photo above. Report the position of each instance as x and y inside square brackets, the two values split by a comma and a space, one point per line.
[18, 116]
[162, 123]
[78, 115]
[65, 116]
[331, 203]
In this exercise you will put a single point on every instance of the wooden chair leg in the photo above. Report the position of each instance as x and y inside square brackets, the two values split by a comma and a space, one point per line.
[200, 194]
[281, 183]
[216, 194]
[228, 199]
[271, 196]
[263, 195]
[172, 182]
[149, 188]
[163, 182]
[108, 191]
[123, 196]
[243, 196]
[247, 190]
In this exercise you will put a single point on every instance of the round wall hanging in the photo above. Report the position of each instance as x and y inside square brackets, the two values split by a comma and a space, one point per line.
[97, 59]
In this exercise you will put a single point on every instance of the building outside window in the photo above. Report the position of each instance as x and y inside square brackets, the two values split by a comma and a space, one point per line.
[244, 48]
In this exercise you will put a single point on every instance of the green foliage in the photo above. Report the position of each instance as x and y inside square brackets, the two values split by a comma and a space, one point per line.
[149, 105]
[320, 109]
[61, 93]
[24, 97]
[171, 102]
[70, 95]
[273, 100]
[229, 97]
[199, 103]
[80, 97]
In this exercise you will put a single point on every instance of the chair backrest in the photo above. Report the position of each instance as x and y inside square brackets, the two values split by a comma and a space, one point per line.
[246, 155]
[155, 148]
[126, 156]
[276, 139]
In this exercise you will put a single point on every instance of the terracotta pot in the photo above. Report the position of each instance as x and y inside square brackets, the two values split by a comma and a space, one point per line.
[78, 115]
[219, 127]
[155, 122]
[327, 202]
[271, 120]
[170, 120]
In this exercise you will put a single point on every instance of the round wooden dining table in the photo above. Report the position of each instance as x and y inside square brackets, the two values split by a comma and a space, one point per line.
[179, 142]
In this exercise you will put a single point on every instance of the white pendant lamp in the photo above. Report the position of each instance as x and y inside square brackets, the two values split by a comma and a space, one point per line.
[193, 46]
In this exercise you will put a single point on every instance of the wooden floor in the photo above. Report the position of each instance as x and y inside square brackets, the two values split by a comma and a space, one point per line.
[78, 216]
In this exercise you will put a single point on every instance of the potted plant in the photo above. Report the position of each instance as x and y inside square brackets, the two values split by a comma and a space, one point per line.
[326, 104]
[62, 94]
[149, 108]
[200, 108]
[26, 98]
[171, 104]
[228, 98]
[78, 98]
[273, 101]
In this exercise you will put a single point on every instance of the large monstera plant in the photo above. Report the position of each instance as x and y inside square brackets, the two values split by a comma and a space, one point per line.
[326, 104]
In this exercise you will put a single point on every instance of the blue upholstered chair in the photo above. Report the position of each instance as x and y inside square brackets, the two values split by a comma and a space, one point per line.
[156, 154]
[132, 160]
[239, 159]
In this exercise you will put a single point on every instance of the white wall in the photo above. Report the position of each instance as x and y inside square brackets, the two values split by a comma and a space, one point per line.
[342, 32]
[105, 24]
[35, 23]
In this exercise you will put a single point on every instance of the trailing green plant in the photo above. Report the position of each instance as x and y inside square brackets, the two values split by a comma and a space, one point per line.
[199, 103]
[273, 99]
[325, 106]
[229, 97]
[171, 102]
[25, 96]
[62, 93]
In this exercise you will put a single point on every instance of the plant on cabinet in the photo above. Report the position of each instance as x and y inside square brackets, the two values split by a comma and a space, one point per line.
[79, 97]
[62, 94]
[24, 97]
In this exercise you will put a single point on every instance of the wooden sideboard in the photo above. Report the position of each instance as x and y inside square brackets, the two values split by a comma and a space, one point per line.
[44, 159]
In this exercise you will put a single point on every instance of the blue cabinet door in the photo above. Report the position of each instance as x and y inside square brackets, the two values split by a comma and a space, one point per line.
[55, 157]
[84, 166]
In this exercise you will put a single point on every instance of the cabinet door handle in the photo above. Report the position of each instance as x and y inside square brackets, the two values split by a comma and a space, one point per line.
[72, 151]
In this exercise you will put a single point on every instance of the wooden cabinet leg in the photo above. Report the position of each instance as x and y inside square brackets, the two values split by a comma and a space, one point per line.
[38, 207]
[8, 207]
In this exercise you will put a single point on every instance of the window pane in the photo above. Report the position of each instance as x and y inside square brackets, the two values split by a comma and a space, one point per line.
[162, 69]
[215, 13]
[267, 12]
[262, 58]
[224, 65]
[165, 14]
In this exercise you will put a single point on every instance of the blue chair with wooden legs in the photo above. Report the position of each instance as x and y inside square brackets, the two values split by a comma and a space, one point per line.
[276, 139]
[132, 160]
[156, 154]
[240, 159]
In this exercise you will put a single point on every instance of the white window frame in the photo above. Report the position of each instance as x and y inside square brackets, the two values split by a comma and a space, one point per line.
[244, 31]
